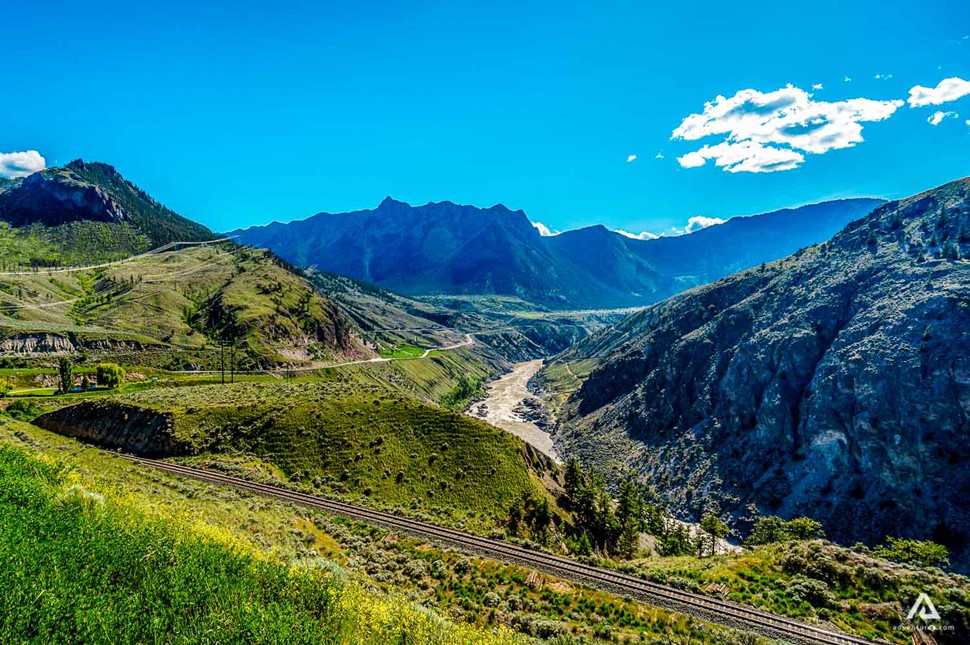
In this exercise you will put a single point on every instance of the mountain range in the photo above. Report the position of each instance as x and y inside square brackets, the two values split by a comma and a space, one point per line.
[446, 248]
[834, 384]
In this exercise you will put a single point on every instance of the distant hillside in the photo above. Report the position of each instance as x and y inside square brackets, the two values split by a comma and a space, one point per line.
[834, 383]
[92, 193]
[175, 305]
[445, 248]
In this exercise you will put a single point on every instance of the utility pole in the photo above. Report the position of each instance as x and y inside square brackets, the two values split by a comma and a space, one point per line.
[222, 361]
[232, 369]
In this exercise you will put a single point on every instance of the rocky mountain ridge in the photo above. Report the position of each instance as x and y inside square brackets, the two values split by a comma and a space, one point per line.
[834, 383]
[446, 248]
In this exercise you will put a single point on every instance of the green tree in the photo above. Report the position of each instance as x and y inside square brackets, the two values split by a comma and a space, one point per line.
[574, 478]
[771, 529]
[804, 528]
[630, 516]
[66, 372]
[714, 528]
[110, 375]
[5, 387]
[676, 540]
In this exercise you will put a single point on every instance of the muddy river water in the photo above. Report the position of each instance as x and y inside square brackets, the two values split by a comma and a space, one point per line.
[502, 398]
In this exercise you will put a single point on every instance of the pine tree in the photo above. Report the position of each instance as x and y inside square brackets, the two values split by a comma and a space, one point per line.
[630, 516]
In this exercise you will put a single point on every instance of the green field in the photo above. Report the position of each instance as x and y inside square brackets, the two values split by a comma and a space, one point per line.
[79, 566]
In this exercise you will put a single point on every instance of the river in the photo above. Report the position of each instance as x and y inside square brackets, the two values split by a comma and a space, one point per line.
[503, 396]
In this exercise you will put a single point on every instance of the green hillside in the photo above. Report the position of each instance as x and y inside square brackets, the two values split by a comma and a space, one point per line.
[82, 567]
[184, 300]
[345, 438]
[86, 193]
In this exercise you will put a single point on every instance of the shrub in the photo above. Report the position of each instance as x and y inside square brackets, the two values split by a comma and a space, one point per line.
[922, 553]
[772, 529]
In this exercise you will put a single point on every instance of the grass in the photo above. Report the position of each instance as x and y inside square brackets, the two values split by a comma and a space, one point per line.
[344, 438]
[180, 301]
[403, 568]
[78, 566]
[820, 581]
[402, 351]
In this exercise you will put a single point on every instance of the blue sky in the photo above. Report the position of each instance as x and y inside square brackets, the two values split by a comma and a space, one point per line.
[239, 113]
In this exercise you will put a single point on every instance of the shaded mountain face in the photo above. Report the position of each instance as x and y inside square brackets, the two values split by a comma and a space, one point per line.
[834, 383]
[444, 248]
[92, 192]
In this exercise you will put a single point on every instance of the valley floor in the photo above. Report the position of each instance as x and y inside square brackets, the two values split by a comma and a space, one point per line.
[503, 407]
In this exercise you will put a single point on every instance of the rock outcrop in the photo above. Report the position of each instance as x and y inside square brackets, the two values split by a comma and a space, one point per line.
[833, 384]
[111, 424]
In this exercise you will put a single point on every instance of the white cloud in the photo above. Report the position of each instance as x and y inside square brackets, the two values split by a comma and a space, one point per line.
[937, 117]
[883, 77]
[695, 223]
[21, 164]
[818, 86]
[638, 236]
[698, 222]
[746, 156]
[631, 158]
[949, 89]
[544, 230]
[770, 131]
[659, 155]
[847, 79]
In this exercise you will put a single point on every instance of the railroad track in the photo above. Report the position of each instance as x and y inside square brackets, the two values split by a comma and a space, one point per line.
[720, 612]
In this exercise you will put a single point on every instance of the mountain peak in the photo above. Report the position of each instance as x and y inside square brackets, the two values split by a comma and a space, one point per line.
[390, 201]
[93, 192]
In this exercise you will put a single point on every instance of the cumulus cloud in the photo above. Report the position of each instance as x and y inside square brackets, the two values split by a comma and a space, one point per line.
[698, 222]
[21, 164]
[937, 117]
[638, 236]
[949, 89]
[771, 131]
[847, 79]
[883, 77]
[659, 155]
[695, 223]
[544, 230]
[817, 86]
[631, 158]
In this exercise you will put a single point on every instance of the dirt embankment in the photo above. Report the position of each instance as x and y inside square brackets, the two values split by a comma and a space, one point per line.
[116, 425]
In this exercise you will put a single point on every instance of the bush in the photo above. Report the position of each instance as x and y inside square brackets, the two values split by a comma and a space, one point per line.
[772, 529]
[922, 553]
[5, 387]
[23, 410]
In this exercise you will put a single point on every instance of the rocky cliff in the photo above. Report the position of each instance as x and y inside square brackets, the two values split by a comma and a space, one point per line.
[130, 428]
[834, 383]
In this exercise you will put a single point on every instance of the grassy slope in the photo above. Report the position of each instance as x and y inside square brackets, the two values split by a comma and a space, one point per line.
[77, 243]
[96, 569]
[372, 557]
[183, 299]
[356, 439]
